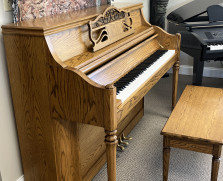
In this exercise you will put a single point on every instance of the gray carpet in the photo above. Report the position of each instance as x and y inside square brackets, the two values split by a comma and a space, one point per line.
[142, 159]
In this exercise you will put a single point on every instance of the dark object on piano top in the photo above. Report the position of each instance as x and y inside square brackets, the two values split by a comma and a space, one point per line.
[158, 12]
[201, 27]
[215, 13]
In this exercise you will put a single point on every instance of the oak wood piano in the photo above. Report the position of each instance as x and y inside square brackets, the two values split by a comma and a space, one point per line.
[79, 77]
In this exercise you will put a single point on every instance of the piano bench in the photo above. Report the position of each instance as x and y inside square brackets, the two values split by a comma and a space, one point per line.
[196, 124]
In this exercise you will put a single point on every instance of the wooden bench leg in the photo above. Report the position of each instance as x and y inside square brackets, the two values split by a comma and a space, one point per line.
[215, 162]
[166, 157]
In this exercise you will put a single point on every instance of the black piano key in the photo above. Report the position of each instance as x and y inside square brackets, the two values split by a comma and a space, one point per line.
[130, 76]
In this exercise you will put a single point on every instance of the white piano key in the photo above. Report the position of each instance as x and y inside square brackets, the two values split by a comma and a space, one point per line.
[215, 47]
[144, 76]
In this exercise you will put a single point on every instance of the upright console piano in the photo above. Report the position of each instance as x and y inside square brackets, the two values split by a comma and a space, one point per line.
[79, 78]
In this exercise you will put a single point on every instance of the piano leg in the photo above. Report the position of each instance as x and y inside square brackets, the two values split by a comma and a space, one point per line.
[111, 143]
[198, 71]
[176, 67]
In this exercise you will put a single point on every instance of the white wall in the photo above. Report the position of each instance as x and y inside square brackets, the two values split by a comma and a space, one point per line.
[10, 163]
[145, 4]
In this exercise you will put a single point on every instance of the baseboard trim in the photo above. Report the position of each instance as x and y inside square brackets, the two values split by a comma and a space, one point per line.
[208, 71]
[21, 178]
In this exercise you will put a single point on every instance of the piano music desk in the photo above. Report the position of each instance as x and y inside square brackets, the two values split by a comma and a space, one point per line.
[196, 124]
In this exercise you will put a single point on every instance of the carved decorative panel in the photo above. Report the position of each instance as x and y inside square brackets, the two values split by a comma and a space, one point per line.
[110, 27]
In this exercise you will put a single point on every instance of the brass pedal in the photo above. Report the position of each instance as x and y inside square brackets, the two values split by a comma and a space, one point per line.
[120, 141]
[126, 138]
[120, 147]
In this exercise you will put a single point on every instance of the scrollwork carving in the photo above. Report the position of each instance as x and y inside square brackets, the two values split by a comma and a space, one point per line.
[111, 15]
[110, 27]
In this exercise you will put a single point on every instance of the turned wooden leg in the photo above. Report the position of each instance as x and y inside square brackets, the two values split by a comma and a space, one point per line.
[176, 67]
[166, 158]
[111, 142]
[215, 162]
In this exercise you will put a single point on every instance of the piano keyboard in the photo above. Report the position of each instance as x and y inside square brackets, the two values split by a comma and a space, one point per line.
[215, 46]
[140, 74]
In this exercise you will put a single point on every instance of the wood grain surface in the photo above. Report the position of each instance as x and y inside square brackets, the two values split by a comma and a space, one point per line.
[49, 60]
[92, 149]
[60, 22]
[31, 108]
[201, 107]
[109, 27]
[117, 68]
[215, 162]
[196, 124]
[166, 157]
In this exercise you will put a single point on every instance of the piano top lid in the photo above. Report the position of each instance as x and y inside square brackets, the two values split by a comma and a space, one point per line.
[59, 22]
[191, 10]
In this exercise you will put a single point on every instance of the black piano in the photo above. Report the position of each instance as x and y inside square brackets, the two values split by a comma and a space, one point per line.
[200, 23]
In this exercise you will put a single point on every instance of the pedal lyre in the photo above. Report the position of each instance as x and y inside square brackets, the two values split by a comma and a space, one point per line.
[120, 141]
[126, 138]
[120, 147]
